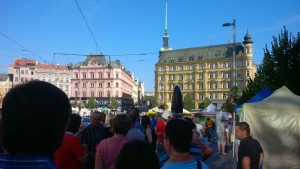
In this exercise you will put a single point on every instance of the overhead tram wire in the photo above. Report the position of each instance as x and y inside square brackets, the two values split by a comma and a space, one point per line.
[88, 26]
[23, 48]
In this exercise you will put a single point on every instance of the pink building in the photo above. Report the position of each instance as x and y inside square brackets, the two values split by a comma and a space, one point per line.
[101, 79]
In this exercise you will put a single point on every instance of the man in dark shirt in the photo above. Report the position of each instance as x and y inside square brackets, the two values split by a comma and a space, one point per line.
[91, 135]
[250, 154]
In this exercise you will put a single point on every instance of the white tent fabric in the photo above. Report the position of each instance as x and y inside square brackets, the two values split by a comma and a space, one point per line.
[275, 122]
[211, 109]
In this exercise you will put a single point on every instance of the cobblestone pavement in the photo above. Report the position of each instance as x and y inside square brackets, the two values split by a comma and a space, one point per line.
[217, 161]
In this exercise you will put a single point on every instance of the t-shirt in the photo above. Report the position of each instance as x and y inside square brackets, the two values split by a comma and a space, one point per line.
[110, 149]
[249, 147]
[192, 164]
[160, 129]
[69, 152]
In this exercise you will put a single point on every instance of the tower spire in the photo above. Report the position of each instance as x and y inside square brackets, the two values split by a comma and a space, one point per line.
[166, 36]
[166, 19]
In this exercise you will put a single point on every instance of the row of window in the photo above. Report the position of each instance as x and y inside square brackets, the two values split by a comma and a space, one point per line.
[212, 75]
[94, 75]
[100, 85]
[26, 72]
[212, 96]
[202, 66]
[98, 94]
[221, 85]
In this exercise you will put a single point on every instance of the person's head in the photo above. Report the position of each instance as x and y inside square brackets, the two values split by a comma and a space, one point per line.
[133, 113]
[137, 154]
[96, 118]
[208, 119]
[190, 121]
[178, 136]
[34, 116]
[242, 130]
[145, 121]
[121, 124]
[74, 123]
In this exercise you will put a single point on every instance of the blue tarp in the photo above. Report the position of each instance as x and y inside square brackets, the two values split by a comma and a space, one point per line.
[261, 95]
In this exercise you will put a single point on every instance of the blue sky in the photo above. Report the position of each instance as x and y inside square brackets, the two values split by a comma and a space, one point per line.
[135, 26]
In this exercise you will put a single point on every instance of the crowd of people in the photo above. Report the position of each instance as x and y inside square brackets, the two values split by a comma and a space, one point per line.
[38, 130]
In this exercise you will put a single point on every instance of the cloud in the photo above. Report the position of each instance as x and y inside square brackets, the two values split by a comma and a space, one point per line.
[287, 22]
[292, 20]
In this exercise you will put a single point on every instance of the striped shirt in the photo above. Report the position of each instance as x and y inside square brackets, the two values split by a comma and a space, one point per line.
[194, 151]
[9, 161]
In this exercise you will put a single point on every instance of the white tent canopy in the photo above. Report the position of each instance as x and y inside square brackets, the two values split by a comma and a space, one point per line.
[210, 109]
[275, 122]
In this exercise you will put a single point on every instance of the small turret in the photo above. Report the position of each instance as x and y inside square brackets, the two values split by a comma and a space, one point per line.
[247, 38]
[248, 44]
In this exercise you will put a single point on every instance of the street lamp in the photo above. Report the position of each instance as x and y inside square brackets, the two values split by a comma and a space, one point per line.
[234, 41]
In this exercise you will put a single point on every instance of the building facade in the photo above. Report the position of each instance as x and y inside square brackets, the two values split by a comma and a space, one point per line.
[24, 70]
[135, 90]
[59, 76]
[102, 80]
[5, 85]
[204, 72]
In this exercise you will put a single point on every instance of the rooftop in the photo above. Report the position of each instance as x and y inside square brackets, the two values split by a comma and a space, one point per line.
[200, 53]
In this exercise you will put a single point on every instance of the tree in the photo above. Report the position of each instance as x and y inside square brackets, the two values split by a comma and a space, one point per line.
[188, 102]
[177, 106]
[150, 101]
[280, 66]
[228, 105]
[113, 103]
[92, 104]
[205, 103]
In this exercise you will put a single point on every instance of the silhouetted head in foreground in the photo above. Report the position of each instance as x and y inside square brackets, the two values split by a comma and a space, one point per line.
[34, 116]
[137, 154]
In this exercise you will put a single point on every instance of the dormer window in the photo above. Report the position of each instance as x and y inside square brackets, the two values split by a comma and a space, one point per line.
[180, 59]
[247, 50]
[191, 58]
[171, 59]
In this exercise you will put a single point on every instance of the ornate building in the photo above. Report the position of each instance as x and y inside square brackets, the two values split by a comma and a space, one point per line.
[203, 72]
[102, 80]
[24, 70]
[59, 76]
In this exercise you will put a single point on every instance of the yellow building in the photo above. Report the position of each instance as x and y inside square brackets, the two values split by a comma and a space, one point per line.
[5, 86]
[203, 72]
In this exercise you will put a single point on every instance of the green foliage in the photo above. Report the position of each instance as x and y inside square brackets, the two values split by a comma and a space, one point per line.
[188, 102]
[234, 90]
[205, 103]
[151, 100]
[228, 105]
[113, 103]
[92, 104]
[280, 66]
